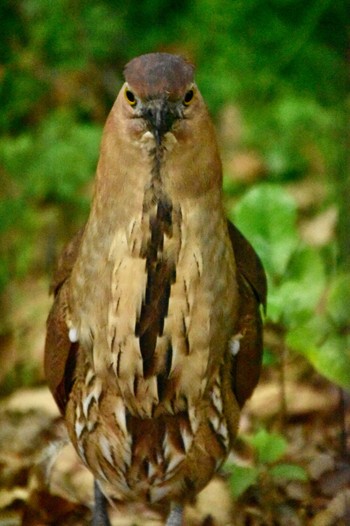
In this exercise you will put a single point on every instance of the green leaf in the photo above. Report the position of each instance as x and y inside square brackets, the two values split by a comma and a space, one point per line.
[338, 303]
[328, 352]
[270, 447]
[294, 301]
[333, 359]
[288, 472]
[306, 338]
[242, 478]
[267, 217]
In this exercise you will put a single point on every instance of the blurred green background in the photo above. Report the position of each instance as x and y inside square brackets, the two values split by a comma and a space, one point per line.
[275, 75]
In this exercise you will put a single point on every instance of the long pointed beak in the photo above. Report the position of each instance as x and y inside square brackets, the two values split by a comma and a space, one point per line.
[160, 114]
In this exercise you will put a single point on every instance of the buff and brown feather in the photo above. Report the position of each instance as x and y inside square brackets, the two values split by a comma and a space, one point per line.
[152, 297]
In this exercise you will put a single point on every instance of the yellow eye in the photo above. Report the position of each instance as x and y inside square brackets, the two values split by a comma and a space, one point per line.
[130, 97]
[188, 98]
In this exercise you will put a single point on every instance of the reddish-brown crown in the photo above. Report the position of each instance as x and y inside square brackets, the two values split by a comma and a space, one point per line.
[156, 73]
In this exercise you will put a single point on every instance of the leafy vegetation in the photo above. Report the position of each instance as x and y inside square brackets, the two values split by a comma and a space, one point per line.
[298, 282]
[268, 468]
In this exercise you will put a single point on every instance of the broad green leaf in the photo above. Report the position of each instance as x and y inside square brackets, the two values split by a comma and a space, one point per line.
[308, 335]
[270, 447]
[59, 160]
[294, 300]
[329, 353]
[267, 217]
[338, 303]
[333, 360]
[242, 478]
[292, 303]
[288, 472]
[307, 266]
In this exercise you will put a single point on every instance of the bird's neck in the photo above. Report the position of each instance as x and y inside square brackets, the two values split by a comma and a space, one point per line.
[141, 182]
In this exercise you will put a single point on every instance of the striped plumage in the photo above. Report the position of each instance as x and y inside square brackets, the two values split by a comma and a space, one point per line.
[154, 339]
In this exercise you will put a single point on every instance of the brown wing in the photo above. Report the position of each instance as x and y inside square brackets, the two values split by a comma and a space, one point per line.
[252, 287]
[66, 262]
[60, 353]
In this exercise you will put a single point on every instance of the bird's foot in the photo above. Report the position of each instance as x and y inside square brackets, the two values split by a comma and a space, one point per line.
[175, 516]
[100, 515]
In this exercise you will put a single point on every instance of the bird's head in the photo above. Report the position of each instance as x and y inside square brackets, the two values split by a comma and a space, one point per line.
[159, 94]
[160, 123]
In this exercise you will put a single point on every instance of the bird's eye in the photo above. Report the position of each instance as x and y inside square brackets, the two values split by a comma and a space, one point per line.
[130, 97]
[188, 97]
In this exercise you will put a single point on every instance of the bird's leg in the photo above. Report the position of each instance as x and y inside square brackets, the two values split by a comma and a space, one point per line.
[175, 516]
[100, 515]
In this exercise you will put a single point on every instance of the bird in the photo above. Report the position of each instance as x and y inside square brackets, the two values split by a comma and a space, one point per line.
[155, 336]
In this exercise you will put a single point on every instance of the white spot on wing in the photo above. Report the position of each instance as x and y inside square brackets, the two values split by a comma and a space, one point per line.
[73, 335]
[234, 344]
